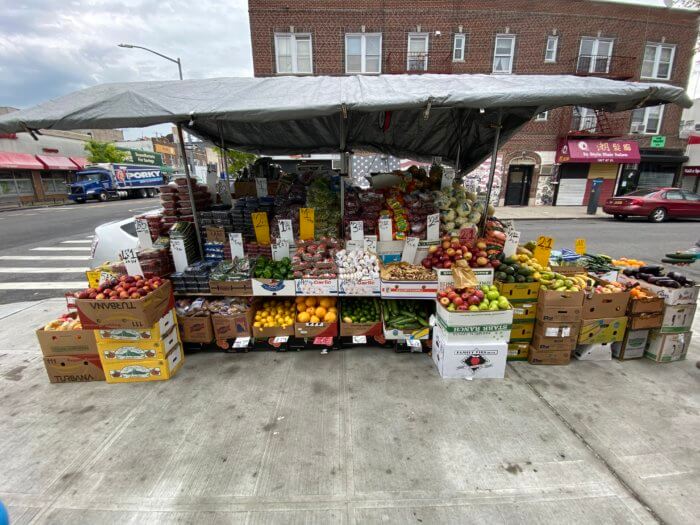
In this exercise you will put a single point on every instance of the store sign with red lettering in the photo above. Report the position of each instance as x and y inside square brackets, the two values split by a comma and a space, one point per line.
[598, 151]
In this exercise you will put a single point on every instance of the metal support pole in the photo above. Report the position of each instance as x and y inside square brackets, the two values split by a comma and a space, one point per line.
[189, 189]
[224, 162]
[492, 169]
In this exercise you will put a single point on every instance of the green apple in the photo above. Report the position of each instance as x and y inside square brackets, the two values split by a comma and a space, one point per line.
[473, 308]
[492, 295]
[493, 307]
[484, 305]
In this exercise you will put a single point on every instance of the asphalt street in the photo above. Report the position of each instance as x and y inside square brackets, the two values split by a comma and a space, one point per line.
[45, 251]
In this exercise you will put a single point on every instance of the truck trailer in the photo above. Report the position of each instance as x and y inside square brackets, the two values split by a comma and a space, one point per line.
[115, 181]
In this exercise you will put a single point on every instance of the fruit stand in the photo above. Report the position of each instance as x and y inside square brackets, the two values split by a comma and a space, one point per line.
[329, 261]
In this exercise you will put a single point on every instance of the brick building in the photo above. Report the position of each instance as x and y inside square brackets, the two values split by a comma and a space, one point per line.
[578, 37]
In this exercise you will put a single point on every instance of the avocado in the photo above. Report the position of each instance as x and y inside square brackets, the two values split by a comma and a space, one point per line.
[501, 276]
[509, 270]
[510, 279]
[519, 278]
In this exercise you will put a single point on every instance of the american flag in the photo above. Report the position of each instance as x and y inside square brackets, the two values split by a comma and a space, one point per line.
[364, 165]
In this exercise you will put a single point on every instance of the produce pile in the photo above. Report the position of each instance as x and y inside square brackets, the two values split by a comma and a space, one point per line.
[316, 259]
[356, 266]
[269, 269]
[362, 206]
[654, 275]
[229, 306]
[458, 209]
[447, 253]
[236, 270]
[518, 269]
[198, 307]
[324, 199]
[484, 298]
[316, 310]
[679, 258]
[275, 313]
[123, 287]
[64, 323]
[564, 283]
[360, 310]
[599, 263]
[608, 287]
[624, 262]
[402, 314]
[403, 271]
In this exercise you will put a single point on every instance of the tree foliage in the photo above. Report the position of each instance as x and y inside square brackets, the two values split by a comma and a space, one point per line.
[103, 152]
[236, 160]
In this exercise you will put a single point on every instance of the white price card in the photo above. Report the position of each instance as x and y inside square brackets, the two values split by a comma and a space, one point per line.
[385, 233]
[286, 232]
[409, 250]
[359, 339]
[414, 343]
[357, 230]
[177, 247]
[128, 257]
[236, 242]
[241, 342]
[433, 231]
[261, 186]
[143, 232]
[448, 178]
[280, 339]
[280, 250]
[354, 246]
[370, 243]
[511, 244]
[105, 277]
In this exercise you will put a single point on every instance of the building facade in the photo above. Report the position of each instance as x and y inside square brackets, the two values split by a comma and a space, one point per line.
[539, 165]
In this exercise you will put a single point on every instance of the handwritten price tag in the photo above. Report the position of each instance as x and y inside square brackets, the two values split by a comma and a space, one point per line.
[511, 244]
[447, 179]
[128, 257]
[370, 243]
[280, 250]
[543, 249]
[414, 343]
[286, 232]
[143, 232]
[357, 230]
[177, 247]
[359, 339]
[280, 339]
[241, 342]
[215, 234]
[385, 233]
[409, 249]
[306, 223]
[261, 186]
[580, 246]
[325, 341]
[354, 245]
[433, 227]
[261, 227]
[236, 242]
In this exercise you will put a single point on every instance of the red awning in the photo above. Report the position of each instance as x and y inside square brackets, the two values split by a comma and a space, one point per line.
[588, 151]
[81, 162]
[19, 161]
[56, 162]
[691, 171]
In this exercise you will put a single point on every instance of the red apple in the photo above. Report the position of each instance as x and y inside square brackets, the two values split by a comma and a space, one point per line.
[123, 295]
[442, 293]
[452, 295]
[463, 307]
[100, 296]
[445, 245]
[444, 301]
[473, 299]
[135, 295]
[458, 300]
[450, 252]
[447, 264]
[83, 295]
[92, 295]
[479, 294]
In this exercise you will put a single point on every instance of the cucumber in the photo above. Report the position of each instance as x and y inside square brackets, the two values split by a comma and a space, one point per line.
[679, 255]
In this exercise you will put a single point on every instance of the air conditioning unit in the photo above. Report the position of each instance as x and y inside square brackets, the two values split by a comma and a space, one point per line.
[637, 127]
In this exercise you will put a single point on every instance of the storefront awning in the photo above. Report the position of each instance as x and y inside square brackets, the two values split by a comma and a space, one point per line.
[81, 162]
[19, 161]
[56, 162]
[588, 151]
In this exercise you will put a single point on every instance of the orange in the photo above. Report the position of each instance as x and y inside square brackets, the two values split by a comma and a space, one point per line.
[301, 308]
[300, 300]
[310, 301]
[314, 319]
[333, 309]
[325, 302]
[303, 317]
[320, 312]
[330, 317]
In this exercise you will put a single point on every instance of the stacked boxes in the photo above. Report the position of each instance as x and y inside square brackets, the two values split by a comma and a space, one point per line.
[642, 314]
[523, 297]
[557, 327]
[670, 342]
[604, 321]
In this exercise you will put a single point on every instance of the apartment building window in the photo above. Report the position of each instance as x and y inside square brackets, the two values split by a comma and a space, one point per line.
[459, 47]
[550, 52]
[594, 55]
[647, 121]
[658, 61]
[417, 58]
[363, 53]
[542, 117]
[584, 119]
[503, 54]
[293, 53]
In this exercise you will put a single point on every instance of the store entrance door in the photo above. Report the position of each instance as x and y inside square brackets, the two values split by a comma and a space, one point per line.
[518, 189]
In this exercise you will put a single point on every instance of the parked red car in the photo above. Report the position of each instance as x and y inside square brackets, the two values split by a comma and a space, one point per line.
[656, 204]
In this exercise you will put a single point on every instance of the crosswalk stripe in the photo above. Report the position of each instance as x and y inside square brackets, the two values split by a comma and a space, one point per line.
[43, 286]
[42, 269]
[44, 257]
[61, 249]
[81, 241]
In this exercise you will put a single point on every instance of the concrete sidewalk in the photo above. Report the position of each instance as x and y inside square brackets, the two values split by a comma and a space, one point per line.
[547, 212]
[364, 435]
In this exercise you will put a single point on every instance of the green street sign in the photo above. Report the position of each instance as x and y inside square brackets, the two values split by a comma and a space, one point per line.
[138, 156]
[658, 141]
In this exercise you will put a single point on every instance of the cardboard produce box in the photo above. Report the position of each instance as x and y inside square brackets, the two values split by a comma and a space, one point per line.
[243, 288]
[518, 351]
[316, 287]
[71, 342]
[126, 313]
[558, 314]
[556, 330]
[664, 348]
[232, 326]
[647, 305]
[519, 291]
[606, 330]
[74, 368]
[670, 296]
[264, 332]
[550, 344]
[472, 327]
[601, 305]
[468, 361]
[138, 336]
[273, 287]
[367, 329]
[524, 311]
[553, 299]
[594, 352]
[633, 345]
[196, 329]
[316, 329]
[409, 289]
[549, 357]
[522, 332]
[645, 321]
[139, 351]
[146, 370]
[677, 318]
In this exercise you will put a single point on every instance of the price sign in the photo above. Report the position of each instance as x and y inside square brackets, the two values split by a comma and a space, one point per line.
[370, 243]
[325, 341]
[241, 342]
[409, 250]
[357, 230]
[447, 179]
[306, 223]
[261, 186]
[280, 250]
[143, 232]
[354, 245]
[280, 339]
[543, 248]
[236, 242]
[177, 247]
[433, 227]
[104, 277]
[286, 232]
[511, 244]
[261, 227]
[385, 233]
[359, 339]
[508, 225]
[128, 257]
[580, 246]
[414, 343]
[215, 234]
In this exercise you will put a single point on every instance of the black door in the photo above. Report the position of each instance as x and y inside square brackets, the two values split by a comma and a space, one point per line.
[518, 189]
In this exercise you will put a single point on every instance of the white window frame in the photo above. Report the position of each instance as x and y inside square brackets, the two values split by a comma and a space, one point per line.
[594, 53]
[411, 36]
[542, 117]
[511, 37]
[363, 53]
[554, 39]
[586, 117]
[657, 60]
[295, 64]
[645, 121]
[455, 48]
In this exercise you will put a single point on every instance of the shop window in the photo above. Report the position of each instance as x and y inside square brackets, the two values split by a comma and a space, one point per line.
[459, 47]
[658, 61]
[417, 56]
[15, 183]
[503, 54]
[363, 53]
[542, 117]
[647, 121]
[584, 119]
[550, 51]
[594, 55]
[54, 183]
[293, 53]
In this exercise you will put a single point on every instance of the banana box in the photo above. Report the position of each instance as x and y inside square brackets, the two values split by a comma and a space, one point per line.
[138, 337]
[522, 332]
[139, 350]
[146, 370]
[608, 330]
[524, 311]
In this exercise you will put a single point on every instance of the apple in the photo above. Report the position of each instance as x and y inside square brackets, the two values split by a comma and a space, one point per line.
[481, 245]
[455, 244]
[444, 301]
[450, 252]
[113, 297]
[123, 295]
[432, 249]
[135, 295]
[458, 300]
[463, 307]
[83, 295]
[473, 299]
[100, 296]
[442, 293]
[452, 295]
[92, 295]
[479, 294]
[155, 285]
[142, 292]
[91, 290]
[465, 295]
[146, 288]
[447, 264]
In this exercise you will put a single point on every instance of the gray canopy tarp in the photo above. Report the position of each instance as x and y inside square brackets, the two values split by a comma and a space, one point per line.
[414, 116]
